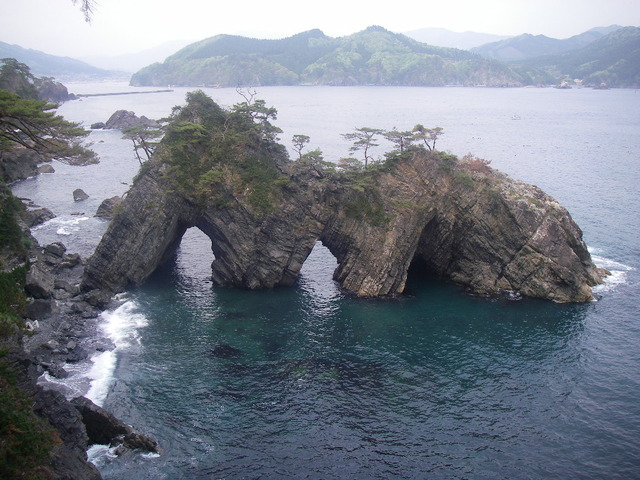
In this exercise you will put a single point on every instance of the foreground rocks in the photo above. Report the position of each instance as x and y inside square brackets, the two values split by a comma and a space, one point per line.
[481, 229]
[63, 329]
[108, 206]
[105, 429]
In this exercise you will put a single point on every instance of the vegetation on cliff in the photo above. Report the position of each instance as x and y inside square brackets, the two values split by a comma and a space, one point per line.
[25, 439]
[212, 154]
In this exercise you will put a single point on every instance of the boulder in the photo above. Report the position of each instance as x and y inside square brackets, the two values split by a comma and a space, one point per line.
[40, 308]
[122, 119]
[46, 168]
[105, 210]
[104, 428]
[98, 126]
[18, 164]
[39, 281]
[79, 195]
[37, 216]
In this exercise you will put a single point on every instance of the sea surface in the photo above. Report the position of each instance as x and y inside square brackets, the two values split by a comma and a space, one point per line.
[307, 382]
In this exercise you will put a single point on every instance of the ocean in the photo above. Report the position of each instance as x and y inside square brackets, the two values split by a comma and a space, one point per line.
[307, 382]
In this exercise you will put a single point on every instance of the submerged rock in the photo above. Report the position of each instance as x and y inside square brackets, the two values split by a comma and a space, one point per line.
[224, 350]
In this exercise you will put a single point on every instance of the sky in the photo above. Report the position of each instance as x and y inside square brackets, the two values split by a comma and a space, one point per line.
[57, 27]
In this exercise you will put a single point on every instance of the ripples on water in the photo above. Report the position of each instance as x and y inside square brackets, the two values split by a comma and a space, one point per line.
[309, 383]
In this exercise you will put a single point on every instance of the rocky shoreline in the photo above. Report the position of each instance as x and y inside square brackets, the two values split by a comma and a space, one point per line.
[62, 328]
[62, 325]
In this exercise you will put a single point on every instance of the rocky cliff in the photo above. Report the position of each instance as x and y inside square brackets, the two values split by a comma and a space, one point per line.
[457, 218]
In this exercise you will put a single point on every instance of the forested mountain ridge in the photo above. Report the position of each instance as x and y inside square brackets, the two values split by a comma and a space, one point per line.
[613, 60]
[527, 46]
[372, 56]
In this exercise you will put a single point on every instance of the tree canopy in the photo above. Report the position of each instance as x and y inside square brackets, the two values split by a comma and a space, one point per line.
[27, 121]
[32, 124]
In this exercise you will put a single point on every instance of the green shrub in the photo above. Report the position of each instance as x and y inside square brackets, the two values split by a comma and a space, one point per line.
[463, 178]
[26, 440]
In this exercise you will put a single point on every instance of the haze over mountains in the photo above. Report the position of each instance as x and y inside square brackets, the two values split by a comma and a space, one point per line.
[605, 55]
[529, 46]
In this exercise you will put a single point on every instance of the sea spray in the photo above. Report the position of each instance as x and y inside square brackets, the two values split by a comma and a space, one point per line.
[619, 272]
[121, 326]
[63, 225]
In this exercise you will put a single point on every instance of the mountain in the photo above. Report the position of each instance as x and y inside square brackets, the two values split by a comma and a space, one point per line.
[527, 46]
[43, 64]
[613, 60]
[441, 37]
[373, 56]
[132, 62]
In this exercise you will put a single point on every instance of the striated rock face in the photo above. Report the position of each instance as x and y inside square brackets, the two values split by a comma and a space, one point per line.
[19, 164]
[481, 229]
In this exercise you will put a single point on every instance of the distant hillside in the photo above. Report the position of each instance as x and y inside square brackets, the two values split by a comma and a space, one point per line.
[374, 56]
[527, 46]
[43, 64]
[441, 37]
[614, 60]
[132, 62]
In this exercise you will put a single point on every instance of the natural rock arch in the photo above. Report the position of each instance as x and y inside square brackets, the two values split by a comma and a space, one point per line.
[483, 230]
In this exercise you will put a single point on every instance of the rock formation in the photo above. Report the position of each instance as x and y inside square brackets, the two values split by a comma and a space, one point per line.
[122, 119]
[223, 173]
[108, 206]
[482, 230]
[79, 195]
[19, 164]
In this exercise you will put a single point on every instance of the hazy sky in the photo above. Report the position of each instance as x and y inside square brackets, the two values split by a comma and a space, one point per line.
[128, 26]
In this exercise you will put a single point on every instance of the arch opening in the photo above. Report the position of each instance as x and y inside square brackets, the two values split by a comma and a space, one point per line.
[316, 274]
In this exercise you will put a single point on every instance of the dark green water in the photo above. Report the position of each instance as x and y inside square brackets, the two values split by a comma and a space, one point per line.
[436, 384]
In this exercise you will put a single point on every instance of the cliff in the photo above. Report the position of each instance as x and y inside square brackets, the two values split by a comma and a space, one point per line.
[457, 218]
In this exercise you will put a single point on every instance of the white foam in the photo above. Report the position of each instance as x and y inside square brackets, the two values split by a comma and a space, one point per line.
[619, 272]
[100, 454]
[66, 226]
[121, 326]
[101, 376]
